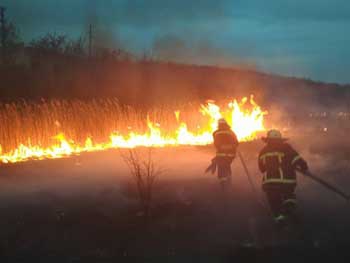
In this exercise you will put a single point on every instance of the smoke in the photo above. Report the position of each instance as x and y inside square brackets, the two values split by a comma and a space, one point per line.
[171, 47]
[104, 35]
[178, 31]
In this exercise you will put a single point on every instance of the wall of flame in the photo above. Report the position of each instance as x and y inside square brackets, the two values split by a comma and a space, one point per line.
[245, 117]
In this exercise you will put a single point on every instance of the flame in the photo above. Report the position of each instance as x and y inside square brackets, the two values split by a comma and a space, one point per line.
[246, 121]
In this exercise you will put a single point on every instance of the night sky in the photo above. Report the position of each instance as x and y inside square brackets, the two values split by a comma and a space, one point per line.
[304, 38]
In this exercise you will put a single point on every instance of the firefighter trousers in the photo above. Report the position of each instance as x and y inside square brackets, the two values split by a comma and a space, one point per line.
[224, 171]
[224, 167]
[282, 201]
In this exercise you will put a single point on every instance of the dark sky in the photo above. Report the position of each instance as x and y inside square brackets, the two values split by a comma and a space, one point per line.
[306, 38]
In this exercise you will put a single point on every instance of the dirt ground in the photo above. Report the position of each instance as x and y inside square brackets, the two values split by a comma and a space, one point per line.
[85, 209]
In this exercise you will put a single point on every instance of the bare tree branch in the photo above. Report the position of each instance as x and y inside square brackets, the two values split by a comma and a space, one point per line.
[144, 170]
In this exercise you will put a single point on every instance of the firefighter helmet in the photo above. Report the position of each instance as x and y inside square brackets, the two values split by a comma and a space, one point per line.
[222, 121]
[274, 135]
[222, 124]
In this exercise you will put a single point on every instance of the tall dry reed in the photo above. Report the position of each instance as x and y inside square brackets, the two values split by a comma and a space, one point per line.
[36, 123]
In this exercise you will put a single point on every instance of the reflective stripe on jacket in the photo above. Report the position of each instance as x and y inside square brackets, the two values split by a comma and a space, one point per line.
[278, 162]
[225, 142]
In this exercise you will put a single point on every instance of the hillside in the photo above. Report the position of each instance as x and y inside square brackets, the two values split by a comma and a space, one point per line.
[149, 82]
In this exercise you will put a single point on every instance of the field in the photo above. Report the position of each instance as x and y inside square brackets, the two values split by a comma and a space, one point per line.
[85, 208]
[107, 116]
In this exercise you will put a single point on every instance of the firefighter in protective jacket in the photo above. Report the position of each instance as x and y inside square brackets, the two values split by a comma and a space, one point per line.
[225, 141]
[279, 162]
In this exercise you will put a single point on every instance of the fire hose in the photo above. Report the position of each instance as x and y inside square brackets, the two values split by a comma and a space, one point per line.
[262, 203]
[307, 173]
[212, 168]
[326, 184]
[322, 182]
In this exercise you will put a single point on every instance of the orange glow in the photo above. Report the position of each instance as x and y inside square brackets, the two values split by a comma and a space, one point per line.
[245, 117]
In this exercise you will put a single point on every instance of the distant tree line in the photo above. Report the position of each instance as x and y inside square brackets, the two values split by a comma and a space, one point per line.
[13, 48]
[10, 41]
[56, 66]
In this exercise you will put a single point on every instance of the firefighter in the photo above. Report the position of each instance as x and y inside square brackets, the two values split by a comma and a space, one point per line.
[225, 141]
[279, 162]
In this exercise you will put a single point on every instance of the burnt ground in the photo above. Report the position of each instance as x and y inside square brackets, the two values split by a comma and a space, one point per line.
[85, 209]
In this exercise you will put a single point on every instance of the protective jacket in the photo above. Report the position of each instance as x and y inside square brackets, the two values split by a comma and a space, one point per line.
[225, 141]
[278, 161]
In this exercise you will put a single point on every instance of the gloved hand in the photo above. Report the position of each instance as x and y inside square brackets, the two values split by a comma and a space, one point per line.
[304, 170]
[212, 167]
[303, 167]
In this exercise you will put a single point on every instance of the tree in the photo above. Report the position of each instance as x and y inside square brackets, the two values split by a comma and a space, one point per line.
[10, 40]
[50, 43]
[53, 43]
[144, 170]
[75, 48]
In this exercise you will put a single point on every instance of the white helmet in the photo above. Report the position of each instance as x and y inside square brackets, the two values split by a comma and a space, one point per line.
[273, 135]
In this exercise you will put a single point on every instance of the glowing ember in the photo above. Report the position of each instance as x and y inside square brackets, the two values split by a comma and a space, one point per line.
[246, 119]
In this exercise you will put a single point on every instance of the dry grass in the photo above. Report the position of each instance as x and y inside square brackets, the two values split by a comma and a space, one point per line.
[36, 123]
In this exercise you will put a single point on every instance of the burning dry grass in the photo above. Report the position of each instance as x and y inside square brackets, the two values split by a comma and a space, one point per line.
[39, 123]
[56, 128]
